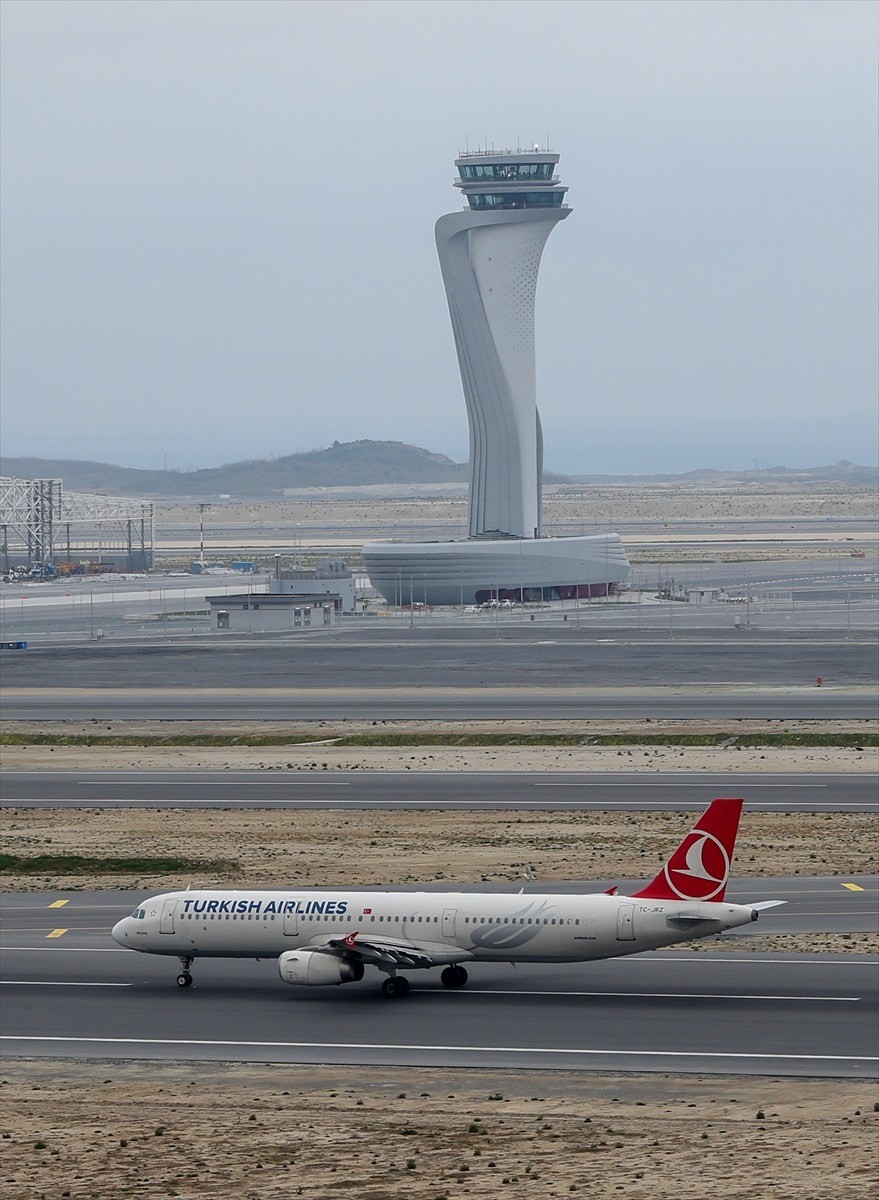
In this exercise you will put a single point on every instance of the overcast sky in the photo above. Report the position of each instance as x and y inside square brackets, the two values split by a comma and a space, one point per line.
[218, 225]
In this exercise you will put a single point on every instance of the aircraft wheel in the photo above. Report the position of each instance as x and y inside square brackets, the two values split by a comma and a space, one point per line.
[454, 977]
[184, 979]
[395, 987]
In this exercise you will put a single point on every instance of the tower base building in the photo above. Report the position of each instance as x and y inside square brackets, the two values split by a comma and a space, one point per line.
[476, 570]
[489, 255]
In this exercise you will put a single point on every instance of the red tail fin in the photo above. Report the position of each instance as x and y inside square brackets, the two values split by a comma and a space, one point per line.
[699, 868]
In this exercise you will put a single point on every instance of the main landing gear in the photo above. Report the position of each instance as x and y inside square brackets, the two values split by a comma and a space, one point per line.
[184, 979]
[454, 977]
[395, 987]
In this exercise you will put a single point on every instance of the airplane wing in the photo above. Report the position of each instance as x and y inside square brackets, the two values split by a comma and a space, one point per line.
[388, 952]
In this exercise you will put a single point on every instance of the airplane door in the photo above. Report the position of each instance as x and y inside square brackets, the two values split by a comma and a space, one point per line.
[166, 919]
[290, 923]
[449, 922]
[625, 930]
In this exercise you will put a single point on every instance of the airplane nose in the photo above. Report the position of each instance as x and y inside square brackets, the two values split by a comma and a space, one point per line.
[119, 931]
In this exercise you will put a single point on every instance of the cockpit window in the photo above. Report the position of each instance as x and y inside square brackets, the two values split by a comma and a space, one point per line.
[138, 914]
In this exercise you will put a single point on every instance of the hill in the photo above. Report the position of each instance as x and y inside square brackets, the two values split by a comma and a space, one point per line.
[844, 472]
[350, 464]
[364, 463]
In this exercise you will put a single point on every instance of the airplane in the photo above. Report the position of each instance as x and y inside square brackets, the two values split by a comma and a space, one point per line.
[328, 936]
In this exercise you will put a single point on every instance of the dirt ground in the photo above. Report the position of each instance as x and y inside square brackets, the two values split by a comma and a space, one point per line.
[324, 520]
[324, 756]
[584, 506]
[315, 848]
[269, 1132]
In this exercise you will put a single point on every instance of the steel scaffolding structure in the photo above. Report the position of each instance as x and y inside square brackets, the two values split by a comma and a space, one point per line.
[43, 525]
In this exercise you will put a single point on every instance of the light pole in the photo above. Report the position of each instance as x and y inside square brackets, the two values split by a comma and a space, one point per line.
[201, 509]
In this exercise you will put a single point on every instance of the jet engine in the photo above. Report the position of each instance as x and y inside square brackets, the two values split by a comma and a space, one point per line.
[310, 968]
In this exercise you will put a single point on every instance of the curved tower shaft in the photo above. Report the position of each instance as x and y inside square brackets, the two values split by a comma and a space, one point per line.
[489, 255]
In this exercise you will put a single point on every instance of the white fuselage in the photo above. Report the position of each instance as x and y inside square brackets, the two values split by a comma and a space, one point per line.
[447, 926]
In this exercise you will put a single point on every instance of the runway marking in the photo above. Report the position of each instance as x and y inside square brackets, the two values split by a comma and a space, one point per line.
[66, 949]
[220, 783]
[648, 782]
[55, 983]
[419, 803]
[853, 887]
[94, 928]
[56, 933]
[742, 959]
[559, 1050]
[501, 991]
[58, 903]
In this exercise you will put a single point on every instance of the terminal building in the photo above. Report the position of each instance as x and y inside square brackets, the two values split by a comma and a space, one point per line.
[489, 256]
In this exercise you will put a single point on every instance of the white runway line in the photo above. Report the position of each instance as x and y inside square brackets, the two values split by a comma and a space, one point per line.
[441, 1049]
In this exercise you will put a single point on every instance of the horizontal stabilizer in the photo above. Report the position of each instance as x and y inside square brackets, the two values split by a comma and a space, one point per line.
[762, 905]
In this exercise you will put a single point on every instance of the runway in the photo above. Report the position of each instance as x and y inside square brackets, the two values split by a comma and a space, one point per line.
[68, 991]
[473, 703]
[642, 791]
[387, 655]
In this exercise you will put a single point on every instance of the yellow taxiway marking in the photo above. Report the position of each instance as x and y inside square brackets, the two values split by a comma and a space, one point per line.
[58, 903]
[853, 887]
[56, 933]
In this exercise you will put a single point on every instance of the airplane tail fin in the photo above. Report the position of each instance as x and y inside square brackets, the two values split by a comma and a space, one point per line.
[699, 868]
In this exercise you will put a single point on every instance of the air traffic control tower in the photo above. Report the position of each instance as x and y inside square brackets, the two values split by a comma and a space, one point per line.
[489, 255]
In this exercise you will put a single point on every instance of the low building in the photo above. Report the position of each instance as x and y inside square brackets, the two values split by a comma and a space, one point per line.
[264, 612]
[703, 595]
[331, 577]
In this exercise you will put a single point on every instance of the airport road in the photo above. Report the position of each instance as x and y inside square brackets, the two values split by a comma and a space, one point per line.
[475, 703]
[652, 791]
[77, 995]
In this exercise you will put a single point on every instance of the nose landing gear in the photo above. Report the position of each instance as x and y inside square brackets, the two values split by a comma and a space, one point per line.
[184, 979]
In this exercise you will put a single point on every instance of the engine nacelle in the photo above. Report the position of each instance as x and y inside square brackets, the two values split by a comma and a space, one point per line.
[310, 968]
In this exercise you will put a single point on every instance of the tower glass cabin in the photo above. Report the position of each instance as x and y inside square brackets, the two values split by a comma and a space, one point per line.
[490, 254]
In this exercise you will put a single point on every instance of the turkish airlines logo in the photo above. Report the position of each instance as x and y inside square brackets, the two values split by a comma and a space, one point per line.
[699, 868]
